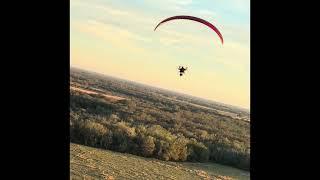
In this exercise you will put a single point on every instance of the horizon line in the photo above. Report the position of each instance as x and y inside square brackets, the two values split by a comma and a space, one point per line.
[155, 86]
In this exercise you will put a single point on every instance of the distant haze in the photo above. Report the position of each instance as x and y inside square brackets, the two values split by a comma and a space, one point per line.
[116, 38]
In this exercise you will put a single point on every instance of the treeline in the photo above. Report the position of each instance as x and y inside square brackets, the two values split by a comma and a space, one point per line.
[153, 141]
[163, 130]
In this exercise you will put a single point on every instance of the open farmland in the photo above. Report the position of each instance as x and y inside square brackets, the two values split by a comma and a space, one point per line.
[92, 163]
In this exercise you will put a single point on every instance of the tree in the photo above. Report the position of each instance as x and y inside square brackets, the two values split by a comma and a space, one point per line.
[147, 146]
[162, 150]
[178, 149]
[197, 151]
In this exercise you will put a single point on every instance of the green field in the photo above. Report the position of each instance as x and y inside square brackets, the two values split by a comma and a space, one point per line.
[91, 163]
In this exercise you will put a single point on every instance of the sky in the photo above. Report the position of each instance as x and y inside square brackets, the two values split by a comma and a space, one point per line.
[116, 38]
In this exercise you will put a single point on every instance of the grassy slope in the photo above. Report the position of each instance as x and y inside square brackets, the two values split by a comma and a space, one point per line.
[92, 163]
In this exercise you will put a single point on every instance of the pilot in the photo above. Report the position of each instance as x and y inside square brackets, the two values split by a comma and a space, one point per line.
[182, 70]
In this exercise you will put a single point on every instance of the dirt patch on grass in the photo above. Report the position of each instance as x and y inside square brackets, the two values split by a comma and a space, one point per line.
[105, 96]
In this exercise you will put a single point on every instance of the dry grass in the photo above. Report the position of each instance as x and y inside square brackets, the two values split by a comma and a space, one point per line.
[92, 163]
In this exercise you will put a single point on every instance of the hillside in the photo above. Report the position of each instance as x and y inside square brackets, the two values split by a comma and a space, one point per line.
[92, 163]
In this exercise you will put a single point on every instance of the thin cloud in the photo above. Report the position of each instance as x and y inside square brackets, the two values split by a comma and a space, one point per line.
[169, 41]
[242, 5]
[179, 6]
[182, 2]
[114, 35]
[133, 15]
[118, 30]
[174, 2]
[113, 11]
[208, 13]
